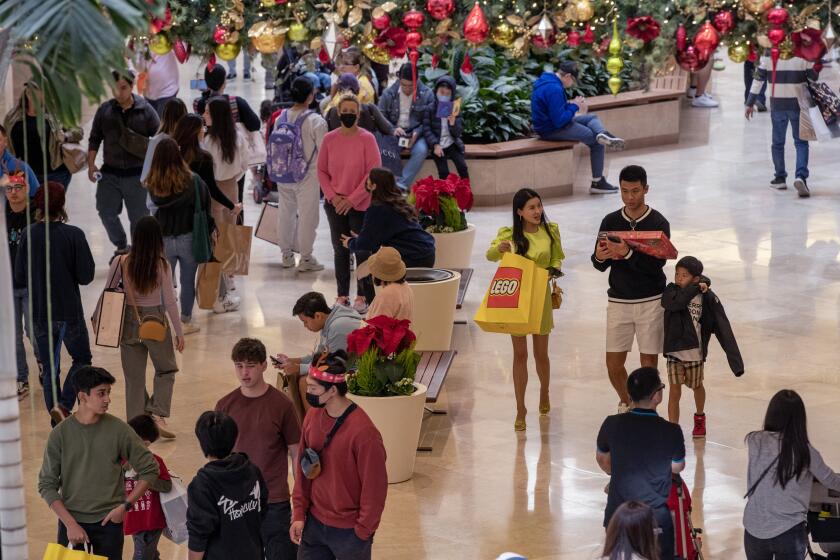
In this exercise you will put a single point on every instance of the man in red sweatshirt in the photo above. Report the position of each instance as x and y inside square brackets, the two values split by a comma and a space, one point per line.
[338, 506]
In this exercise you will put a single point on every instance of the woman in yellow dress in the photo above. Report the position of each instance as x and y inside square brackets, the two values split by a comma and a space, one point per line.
[537, 239]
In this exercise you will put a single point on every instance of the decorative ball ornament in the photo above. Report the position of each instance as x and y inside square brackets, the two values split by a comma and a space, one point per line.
[439, 10]
[681, 38]
[738, 53]
[757, 7]
[706, 40]
[688, 59]
[573, 38]
[380, 19]
[297, 32]
[267, 37]
[413, 19]
[724, 22]
[776, 36]
[583, 10]
[160, 44]
[777, 16]
[331, 39]
[182, 51]
[228, 51]
[615, 84]
[413, 39]
[503, 35]
[220, 34]
[545, 30]
[476, 29]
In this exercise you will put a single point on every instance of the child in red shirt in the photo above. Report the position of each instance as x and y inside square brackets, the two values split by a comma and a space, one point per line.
[145, 521]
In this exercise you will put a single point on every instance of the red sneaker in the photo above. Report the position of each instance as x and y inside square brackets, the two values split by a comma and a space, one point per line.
[699, 426]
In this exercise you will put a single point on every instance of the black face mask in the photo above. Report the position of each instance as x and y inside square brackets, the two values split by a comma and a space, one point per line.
[314, 401]
[347, 119]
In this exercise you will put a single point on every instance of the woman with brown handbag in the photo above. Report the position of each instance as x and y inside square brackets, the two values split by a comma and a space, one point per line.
[147, 281]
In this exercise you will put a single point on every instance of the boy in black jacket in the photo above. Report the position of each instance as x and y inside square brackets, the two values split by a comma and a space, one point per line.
[443, 134]
[228, 497]
[692, 313]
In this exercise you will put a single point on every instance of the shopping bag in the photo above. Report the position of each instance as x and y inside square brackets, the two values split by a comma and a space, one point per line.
[58, 552]
[826, 100]
[515, 300]
[821, 131]
[255, 152]
[233, 248]
[653, 243]
[267, 226]
[389, 153]
[174, 505]
[207, 284]
[74, 156]
[108, 322]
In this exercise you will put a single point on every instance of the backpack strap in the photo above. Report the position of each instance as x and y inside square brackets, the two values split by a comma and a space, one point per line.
[234, 108]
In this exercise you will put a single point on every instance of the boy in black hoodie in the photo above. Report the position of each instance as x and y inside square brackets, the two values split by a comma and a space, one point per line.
[443, 134]
[692, 313]
[228, 497]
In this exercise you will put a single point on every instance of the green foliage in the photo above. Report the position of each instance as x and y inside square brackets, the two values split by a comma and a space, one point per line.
[377, 376]
[451, 217]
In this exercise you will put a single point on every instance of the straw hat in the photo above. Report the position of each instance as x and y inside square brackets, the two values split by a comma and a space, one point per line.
[387, 265]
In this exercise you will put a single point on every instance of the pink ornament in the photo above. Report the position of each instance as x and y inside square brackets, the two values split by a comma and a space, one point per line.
[440, 9]
[681, 38]
[777, 15]
[413, 39]
[706, 40]
[724, 22]
[776, 36]
[220, 34]
[381, 22]
[476, 29]
[573, 38]
[689, 59]
[413, 19]
[182, 52]
[588, 35]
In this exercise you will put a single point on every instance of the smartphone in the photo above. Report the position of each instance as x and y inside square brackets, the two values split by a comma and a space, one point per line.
[404, 142]
[276, 361]
[97, 176]
[198, 84]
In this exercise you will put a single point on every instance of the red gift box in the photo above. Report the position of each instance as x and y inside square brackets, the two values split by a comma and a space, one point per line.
[653, 243]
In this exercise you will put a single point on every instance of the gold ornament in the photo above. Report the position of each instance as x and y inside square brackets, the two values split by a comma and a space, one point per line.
[561, 39]
[228, 51]
[583, 10]
[739, 53]
[503, 35]
[614, 62]
[160, 44]
[757, 7]
[615, 84]
[267, 37]
[297, 32]
[786, 49]
[614, 65]
[268, 3]
[374, 53]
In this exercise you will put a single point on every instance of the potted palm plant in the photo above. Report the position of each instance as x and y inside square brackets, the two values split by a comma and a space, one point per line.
[442, 205]
[383, 363]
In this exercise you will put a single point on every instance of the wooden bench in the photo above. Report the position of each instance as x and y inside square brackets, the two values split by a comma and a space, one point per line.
[431, 372]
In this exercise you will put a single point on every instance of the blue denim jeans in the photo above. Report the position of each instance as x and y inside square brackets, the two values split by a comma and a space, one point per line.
[583, 129]
[179, 251]
[275, 532]
[111, 192]
[780, 120]
[419, 152]
[21, 302]
[790, 545]
[74, 335]
[246, 63]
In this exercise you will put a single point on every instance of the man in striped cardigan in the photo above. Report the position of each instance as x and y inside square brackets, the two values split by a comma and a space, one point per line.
[791, 78]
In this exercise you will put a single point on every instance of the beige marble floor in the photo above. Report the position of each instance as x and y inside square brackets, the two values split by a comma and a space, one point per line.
[484, 489]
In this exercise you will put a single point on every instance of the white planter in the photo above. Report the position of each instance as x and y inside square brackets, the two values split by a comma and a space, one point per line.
[434, 311]
[454, 250]
[398, 419]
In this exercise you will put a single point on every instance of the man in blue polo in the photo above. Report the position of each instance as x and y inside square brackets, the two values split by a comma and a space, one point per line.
[641, 451]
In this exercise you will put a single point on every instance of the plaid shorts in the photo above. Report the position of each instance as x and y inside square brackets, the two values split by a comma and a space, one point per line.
[689, 374]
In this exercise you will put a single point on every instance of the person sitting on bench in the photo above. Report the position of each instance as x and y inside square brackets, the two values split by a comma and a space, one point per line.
[554, 117]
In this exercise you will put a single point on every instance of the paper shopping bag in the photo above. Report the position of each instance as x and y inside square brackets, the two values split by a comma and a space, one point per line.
[515, 301]
[57, 552]
[233, 248]
[207, 284]
[108, 323]
[174, 506]
[268, 225]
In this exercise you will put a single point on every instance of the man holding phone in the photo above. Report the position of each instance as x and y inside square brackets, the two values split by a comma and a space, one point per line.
[554, 117]
[636, 282]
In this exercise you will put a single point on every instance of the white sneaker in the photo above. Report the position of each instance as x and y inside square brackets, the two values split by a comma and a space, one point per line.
[230, 282]
[692, 92]
[309, 264]
[705, 101]
[288, 260]
[623, 408]
[360, 305]
[226, 305]
[188, 327]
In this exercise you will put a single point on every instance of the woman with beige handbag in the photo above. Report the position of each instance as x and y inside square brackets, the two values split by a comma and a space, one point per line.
[147, 281]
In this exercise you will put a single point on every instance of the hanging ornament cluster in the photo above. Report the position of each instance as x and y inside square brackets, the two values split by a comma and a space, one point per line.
[476, 29]
[439, 10]
[156, 24]
[267, 36]
[226, 32]
[614, 62]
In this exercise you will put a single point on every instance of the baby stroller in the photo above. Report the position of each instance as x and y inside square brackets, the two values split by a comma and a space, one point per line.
[686, 537]
[824, 522]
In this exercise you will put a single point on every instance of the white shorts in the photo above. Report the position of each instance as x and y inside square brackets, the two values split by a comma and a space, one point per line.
[644, 321]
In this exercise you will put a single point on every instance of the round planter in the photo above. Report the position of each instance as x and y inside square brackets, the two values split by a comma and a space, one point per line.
[398, 419]
[435, 295]
[454, 250]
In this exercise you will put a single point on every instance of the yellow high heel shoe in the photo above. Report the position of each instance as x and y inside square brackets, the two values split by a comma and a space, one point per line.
[545, 409]
[519, 425]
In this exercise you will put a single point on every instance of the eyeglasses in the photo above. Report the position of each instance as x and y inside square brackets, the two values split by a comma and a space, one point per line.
[14, 188]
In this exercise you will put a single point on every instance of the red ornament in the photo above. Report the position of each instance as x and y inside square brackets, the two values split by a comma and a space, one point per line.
[220, 34]
[413, 19]
[156, 25]
[724, 22]
[280, 1]
[644, 28]
[440, 9]
[588, 36]
[182, 51]
[538, 41]
[414, 56]
[435, 61]
[381, 22]
[466, 66]
[706, 40]
[211, 62]
[573, 38]
[808, 44]
[776, 36]
[753, 56]
[689, 59]
[393, 41]
[777, 15]
[476, 29]
[413, 39]
[681, 38]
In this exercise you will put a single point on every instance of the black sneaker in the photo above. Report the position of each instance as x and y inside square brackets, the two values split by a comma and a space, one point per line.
[614, 143]
[246, 76]
[601, 186]
[22, 389]
[801, 186]
[231, 76]
[778, 183]
[760, 107]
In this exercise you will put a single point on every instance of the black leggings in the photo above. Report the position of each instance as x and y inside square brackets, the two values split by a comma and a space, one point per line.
[343, 225]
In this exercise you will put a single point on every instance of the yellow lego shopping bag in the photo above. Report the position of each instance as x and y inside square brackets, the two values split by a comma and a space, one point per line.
[515, 301]
[59, 552]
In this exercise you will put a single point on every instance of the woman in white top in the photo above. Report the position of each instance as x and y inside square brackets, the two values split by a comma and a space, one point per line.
[630, 534]
[227, 147]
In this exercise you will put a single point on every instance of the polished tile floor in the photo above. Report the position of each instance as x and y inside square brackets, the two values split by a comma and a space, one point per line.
[484, 489]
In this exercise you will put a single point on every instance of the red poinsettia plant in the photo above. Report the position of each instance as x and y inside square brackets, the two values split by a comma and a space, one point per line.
[442, 203]
[392, 40]
[383, 359]
[644, 28]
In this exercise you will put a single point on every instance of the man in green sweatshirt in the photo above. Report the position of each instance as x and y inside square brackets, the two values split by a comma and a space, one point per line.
[81, 478]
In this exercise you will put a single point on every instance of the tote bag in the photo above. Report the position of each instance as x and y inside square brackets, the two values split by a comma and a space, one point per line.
[201, 249]
[58, 552]
[268, 226]
[109, 315]
[233, 248]
[174, 506]
[515, 299]
[207, 284]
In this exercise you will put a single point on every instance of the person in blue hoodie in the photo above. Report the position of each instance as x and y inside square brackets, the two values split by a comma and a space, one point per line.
[554, 117]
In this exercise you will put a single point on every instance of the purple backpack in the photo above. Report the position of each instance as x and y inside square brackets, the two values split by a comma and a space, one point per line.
[286, 161]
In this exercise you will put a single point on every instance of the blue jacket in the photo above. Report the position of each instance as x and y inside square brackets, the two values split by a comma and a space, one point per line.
[550, 108]
[383, 225]
[10, 163]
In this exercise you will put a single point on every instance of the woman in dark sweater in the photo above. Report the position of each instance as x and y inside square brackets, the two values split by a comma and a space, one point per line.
[392, 222]
[173, 188]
